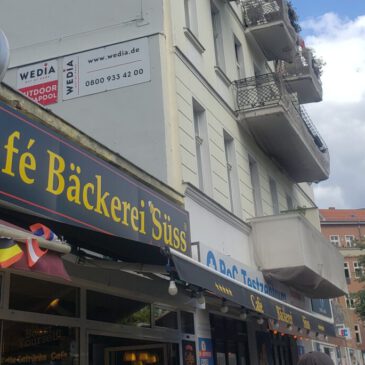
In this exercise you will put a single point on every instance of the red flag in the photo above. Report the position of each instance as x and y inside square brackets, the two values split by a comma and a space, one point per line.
[34, 251]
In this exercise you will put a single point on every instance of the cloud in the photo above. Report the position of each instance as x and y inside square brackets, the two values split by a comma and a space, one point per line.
[341, 116]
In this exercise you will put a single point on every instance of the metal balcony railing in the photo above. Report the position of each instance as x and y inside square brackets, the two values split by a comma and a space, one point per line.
[269, 90]
[303, 64]
[259, 12]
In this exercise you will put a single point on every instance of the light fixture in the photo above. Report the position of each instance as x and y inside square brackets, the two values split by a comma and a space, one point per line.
[200, 299]
[289, 327]
[243, 314]
[275, 332]
[224, 306]
[326, 338]
[143, 356]
[276, 324]
[260, 321]
[152, 359]
[172, 288]
[129, 356]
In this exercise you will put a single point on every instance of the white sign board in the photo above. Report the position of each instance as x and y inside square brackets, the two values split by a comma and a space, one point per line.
[39, 82]
[106, 68]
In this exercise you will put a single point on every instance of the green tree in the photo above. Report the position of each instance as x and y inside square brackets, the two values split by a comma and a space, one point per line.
[359, 297]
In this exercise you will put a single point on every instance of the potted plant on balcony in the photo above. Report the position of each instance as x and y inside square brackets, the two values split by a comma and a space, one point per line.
[293, 17]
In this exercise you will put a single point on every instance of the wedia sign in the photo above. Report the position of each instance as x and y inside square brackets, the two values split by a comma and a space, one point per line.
[46, 174]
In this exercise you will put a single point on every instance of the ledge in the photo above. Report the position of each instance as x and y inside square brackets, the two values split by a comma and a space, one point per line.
[194, 40]
[221, 74]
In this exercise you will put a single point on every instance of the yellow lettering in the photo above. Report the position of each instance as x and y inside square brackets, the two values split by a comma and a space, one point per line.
[142, 219]
[115, 206]
[73, 192]
[156, 234]
[134, 218]
[183, 241]
[126, 209]
[85, 195]
[10, 149]
[176, 238]
[27, 162]
[55, 174]
[100, 198]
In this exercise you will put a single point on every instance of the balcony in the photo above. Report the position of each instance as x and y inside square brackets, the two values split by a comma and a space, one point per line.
[303, 77]
[290, 249]
[282, 128]
[268, 22]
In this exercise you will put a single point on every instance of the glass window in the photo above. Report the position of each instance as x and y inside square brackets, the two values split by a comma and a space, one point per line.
[357, 333]
[39, 296]
[274, 196]
[164, 317]
[349, 239]
[347, 270]
[113, 309]
[358, 270]
[187, 322]
[350, 302]
[335, 240]
[26, 343]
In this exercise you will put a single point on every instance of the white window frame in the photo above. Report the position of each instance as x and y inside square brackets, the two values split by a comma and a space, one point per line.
[357, 268]
[335, 240]
[349, 239]
[191, 18]
[346, 266]
[238, 56]
[217, 36]
[350, 303]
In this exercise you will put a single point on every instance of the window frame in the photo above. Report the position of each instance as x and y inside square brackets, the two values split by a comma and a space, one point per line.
[336, 242]
[349, 243]
[346, 266]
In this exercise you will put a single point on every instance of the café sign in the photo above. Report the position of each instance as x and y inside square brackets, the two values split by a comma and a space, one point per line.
[45, 173]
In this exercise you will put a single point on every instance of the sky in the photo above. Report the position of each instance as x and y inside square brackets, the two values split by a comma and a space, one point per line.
[335, 29]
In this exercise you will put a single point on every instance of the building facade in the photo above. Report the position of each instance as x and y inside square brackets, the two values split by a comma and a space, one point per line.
[205, 97]
[344, 228]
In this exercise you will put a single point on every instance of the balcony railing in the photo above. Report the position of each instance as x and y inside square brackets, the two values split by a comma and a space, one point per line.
[273, 29]
[269, 90]
[303, 76]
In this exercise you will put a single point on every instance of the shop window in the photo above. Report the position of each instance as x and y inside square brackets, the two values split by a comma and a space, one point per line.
[109, 308]
[164, 317]
[39, 296]
[335, 240]
[187, 322]
[27, 343]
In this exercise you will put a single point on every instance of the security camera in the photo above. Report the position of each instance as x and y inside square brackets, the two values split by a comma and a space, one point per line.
[4, 54]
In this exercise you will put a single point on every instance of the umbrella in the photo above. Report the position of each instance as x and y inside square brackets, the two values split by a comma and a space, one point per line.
[315, 358]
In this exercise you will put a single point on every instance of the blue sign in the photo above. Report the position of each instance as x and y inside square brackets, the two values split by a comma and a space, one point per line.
[205, 351]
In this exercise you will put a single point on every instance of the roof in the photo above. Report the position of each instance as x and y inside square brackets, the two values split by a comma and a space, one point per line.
[342, 215]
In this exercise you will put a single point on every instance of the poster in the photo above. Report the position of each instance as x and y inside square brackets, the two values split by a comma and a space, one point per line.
[106, 68]
[39, 82]
[205, 351]
[189, 352]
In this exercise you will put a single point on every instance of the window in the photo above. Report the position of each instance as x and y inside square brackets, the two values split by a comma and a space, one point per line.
[349, 239]
[289, 202]
[274, 196]
[217, 37]
[191, 16]
[347, 271]
[113, 309]
[255, 183]
[39, 296]
[187, 322]
[202, 152]
[335, 240]
[358, 270]
[350, 302]
[232, 173]
[357, 333]
[239, 58]
[164, 317]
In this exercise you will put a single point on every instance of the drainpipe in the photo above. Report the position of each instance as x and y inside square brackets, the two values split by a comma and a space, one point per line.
[4, 54]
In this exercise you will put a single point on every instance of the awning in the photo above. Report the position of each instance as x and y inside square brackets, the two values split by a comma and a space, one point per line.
[193, 272]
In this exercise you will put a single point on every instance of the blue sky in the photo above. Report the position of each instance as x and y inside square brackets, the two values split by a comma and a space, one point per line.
[345, 8]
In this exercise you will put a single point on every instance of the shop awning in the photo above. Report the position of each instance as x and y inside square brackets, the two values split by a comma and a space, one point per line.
[193, 272]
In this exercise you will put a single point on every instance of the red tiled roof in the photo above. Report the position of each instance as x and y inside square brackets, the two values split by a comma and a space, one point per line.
[342, 215]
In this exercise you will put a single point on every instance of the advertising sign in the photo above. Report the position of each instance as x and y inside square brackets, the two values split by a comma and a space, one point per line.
[44, 173]
[205, 351]
[39, 82]
[345, 332]
[106, 68]
[189, 352]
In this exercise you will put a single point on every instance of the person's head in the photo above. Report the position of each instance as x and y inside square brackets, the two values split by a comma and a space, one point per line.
[315, 358]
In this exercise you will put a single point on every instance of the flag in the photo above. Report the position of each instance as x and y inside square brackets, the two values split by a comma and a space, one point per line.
[10, 252]
[41, 230]
[34, 251]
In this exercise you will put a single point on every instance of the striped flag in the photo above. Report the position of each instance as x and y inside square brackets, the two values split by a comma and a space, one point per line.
[10, 252]
[41, 230]
[34, 251]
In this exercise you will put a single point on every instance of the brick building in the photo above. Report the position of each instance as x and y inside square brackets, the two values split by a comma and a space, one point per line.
[344, 227]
